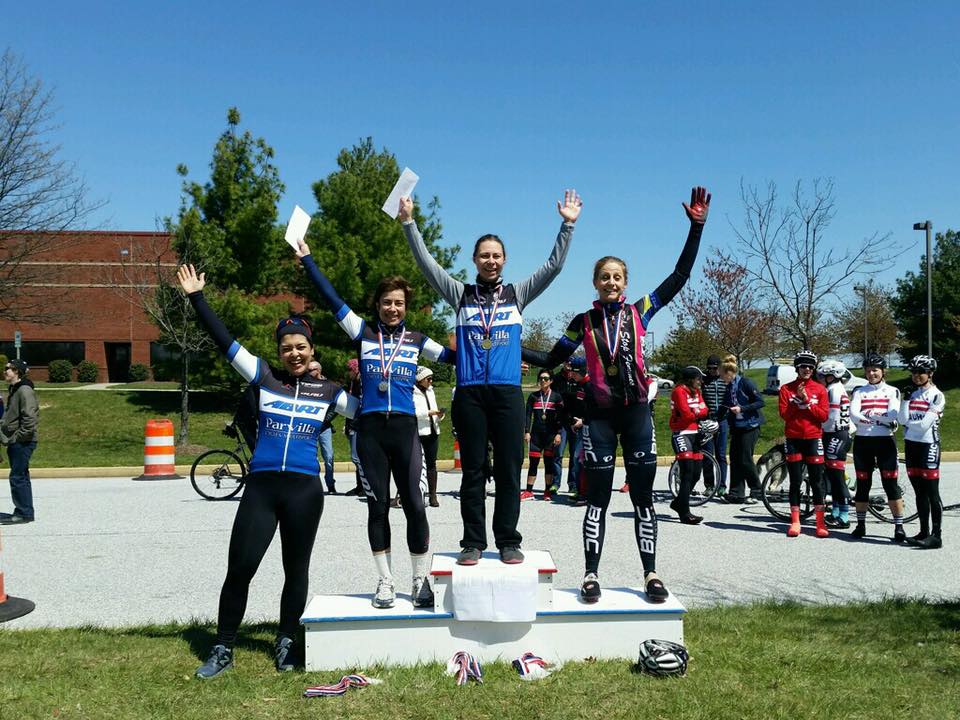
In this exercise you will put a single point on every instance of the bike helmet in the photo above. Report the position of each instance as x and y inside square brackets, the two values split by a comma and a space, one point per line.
[663, 658]
[690, 372]
[875, 360]
[708, 427]
[832, 367]
[923, 363]
[805, 357]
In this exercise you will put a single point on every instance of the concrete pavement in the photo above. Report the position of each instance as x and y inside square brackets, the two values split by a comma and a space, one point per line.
[110, 551]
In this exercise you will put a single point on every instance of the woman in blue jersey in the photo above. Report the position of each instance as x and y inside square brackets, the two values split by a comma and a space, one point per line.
[283, 487]
[617, 399]
[387, 437]
[489, 400]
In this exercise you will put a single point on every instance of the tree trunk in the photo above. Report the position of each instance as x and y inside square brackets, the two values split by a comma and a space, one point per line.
[184, 435]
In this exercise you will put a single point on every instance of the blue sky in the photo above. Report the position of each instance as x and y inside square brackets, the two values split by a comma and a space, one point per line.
[500, 106]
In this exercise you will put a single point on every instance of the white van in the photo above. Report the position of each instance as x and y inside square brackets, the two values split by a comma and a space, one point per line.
[782, 374]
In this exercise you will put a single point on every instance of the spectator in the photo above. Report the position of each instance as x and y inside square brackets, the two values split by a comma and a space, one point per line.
[428, 426]
[353, 388]
[570, 386]
[744, 405]
[326, 437]
[714, 390]
[18, 431]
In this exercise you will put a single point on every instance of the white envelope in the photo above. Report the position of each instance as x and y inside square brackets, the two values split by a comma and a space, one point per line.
[404, 187]
[297, 227]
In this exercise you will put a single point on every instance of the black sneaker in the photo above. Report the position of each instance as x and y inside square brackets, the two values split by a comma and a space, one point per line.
[691, 519]
[469, 556]
[590, 589]
[15, 519]
[220, 660]
[352, 491]
[933, 542]
[511, 555]
[331, 490]
[735, 499]
[918, 538]
[656, 592]
[286, 657]
[899, 534]
[859, 531]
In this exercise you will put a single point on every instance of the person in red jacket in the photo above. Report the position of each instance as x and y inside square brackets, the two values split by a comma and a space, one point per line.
[687, 409]
[804, 406]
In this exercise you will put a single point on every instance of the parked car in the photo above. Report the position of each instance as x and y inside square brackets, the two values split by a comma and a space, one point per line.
[781, 374]
[663, 383]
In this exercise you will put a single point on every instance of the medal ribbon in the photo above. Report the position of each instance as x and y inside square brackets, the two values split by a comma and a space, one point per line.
[396, 350]
[614, 346]
[487, 323]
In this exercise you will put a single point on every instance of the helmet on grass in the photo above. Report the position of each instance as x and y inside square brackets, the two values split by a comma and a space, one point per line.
[663, 658]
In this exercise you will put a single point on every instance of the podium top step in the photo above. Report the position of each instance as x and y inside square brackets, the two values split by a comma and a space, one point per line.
[445, 563]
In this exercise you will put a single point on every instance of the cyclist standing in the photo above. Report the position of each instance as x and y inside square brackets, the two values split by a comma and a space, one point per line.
[836, 440]
[920, 416]
[804, 406]
[687, 410]
[875, 408]
[542, 433]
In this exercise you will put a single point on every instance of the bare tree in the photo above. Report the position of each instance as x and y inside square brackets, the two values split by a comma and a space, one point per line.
[786, 253]
[728, 305]
[146, 282]
[41, 194]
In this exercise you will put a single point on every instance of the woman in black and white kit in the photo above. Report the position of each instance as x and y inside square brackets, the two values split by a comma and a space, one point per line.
[428, 425]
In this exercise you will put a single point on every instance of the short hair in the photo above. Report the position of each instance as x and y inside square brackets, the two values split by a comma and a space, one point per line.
[389, 284]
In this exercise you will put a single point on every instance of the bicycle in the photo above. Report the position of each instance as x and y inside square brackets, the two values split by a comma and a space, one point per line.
[776, 485]
[229, 468]
[697, 497]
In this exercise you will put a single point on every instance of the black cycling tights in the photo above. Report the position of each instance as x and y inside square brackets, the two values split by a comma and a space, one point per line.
[385, 445]
[294, 502]
[807, 452]
[923, 469]
[599, 441]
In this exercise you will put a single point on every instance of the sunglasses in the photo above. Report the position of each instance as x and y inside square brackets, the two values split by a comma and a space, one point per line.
[804, 367]
[543, 379]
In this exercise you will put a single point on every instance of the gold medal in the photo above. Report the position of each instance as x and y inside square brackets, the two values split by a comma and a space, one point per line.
[382, 387]
[613, 370]
[487, 343]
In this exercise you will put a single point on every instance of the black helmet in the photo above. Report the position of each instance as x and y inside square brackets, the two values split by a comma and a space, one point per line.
[663, 658]
[690, 372]
[875, 360]
[805, 357]
[923, 363]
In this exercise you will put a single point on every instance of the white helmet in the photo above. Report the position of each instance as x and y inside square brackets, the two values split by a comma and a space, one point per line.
[832, 367]
[663, 658]
[708, 428]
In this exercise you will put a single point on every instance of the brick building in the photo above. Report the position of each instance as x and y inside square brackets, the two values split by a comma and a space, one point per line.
[85, 281]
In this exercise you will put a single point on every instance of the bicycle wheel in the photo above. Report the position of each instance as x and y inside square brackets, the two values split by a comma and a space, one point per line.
[701, 492]
[879, 508]
[217, 474]
[776, 493]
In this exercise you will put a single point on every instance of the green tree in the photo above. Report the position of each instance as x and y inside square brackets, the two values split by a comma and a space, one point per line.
[910, 307]
[684, 346]
[356, 245]
[882, 334]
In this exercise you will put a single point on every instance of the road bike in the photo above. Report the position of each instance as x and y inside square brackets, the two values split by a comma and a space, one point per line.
[219, 474]
[706, 486]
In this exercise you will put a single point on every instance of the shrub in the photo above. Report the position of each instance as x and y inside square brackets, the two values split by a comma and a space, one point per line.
[60, 371]
[3, 360]
[87, 371]
[139, 372]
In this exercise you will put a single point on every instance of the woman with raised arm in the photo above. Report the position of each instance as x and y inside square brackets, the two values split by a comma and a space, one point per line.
[283, 486]
[617, 398]
[489, 400]
[387, 437]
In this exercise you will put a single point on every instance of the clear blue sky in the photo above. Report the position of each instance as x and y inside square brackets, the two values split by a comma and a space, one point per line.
[500, 106]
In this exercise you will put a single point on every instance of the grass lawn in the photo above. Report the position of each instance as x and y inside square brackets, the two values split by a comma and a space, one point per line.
[886, 660]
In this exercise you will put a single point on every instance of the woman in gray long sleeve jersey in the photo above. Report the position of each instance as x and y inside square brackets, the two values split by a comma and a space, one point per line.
[488, 398]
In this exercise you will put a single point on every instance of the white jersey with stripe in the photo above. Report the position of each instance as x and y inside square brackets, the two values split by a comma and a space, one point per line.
[839, 418]
[920, 414]
[875, 409]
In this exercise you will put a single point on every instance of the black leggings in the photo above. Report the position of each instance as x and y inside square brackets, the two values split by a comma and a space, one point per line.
[295, 503]
[686, 447]
[809, 452]
[430, 445]
[923, 469]
[743, 470]
[599, 442]
[541, 444]
[875, 452]
[385, 444]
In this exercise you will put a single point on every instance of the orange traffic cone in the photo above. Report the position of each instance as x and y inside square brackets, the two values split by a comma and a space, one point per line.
[11, 607]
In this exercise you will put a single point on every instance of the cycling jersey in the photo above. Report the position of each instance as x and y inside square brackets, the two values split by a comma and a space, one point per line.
[920, 414]
[687, 409]
[544, 413]
[493, 307]
[803, 419]
[292, 409]
[396, 349]
[874, 409]
[838, 420]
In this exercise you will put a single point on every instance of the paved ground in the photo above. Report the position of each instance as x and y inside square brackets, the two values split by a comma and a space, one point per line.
[110, 551]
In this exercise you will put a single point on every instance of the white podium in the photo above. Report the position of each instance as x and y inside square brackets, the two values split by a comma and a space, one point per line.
[347, 632]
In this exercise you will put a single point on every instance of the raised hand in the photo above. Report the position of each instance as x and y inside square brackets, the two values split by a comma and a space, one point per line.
[302, 248]
[699, 205]
[406, 209]
[570, 208]
[189, 280]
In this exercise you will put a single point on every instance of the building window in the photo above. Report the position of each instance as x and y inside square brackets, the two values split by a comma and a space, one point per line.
[39, 354]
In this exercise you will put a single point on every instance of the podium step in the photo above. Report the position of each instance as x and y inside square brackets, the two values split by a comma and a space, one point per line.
[346, 632]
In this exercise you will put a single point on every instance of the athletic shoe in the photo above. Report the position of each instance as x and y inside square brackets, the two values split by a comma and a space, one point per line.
[220, 660]
[754, 499]
[572, 490]
[590, 589]
[735, 499]
[859, 531]
[581, 501]
[353, 491]
[555, 489]
[285, 655]
[625, 488]
[395, 503]
[899, 534]
[843, 524]
[656, 592]
[547, 495]
[421, 593]
[526, 495]
[721, 491]
[511, 555]
[469, 556]
[931, 543]
[690, 519]
[331, 490]
[385, 595]
[918, 538]
[15, 520]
